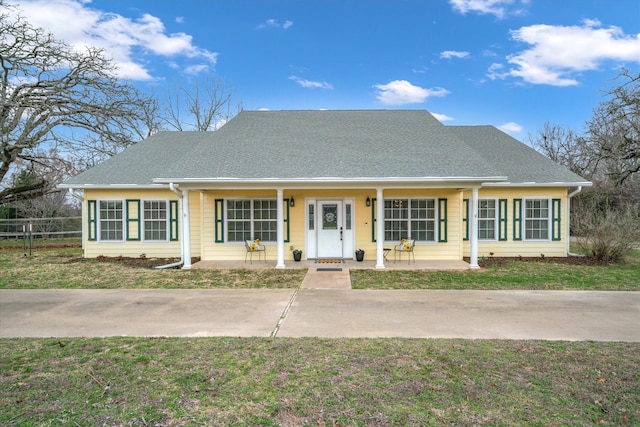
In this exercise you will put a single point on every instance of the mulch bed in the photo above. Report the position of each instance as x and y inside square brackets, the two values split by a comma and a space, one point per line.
[144, 262]
[140, 262]
[573, 260]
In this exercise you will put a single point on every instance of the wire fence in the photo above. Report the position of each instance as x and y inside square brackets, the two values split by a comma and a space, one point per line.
[40, 228]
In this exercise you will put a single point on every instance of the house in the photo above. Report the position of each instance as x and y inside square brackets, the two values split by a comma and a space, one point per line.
[328, 183]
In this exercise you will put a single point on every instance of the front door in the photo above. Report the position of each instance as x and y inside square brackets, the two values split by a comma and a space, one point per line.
[330, 229]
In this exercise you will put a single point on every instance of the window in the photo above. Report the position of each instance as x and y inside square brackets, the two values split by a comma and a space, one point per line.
[536, 219]
[252, 219]
[312, 216]
[111, 220]
[410, 218]
[155, 220]
[487, 219]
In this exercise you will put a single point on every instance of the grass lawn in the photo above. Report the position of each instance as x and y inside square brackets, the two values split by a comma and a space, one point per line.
[513, 275]
[313, 382]
[317, 382]
[60, 268]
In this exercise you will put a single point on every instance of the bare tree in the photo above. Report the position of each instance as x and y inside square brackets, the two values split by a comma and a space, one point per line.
[205, 108]
[564, 146]
[52, 96]
[614, 130]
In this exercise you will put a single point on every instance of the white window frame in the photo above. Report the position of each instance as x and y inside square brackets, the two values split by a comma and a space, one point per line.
[525, 219]
[409, 219]
[252, 220]
[496, 208]
[144, 221]
[122, 220]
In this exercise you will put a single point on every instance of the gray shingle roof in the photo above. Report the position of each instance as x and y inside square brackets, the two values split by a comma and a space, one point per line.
[312, 145]
[519, 162]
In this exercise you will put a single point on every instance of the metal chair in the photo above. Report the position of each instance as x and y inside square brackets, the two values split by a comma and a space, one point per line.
[405, 246]
[253, 247]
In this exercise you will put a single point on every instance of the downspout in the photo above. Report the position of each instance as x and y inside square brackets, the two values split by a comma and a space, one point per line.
[75, 194]
[578, 190]
[177, 263]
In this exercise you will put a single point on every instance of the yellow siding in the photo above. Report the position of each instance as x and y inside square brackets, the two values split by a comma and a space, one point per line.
[94, 249]
[362, 222]
[202, 221]
[515, 248]
[195, 223]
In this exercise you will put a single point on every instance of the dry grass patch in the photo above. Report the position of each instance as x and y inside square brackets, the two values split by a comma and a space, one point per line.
[343, 382]
[63, 269]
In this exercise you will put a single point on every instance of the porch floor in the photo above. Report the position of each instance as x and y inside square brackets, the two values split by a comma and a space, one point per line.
[346, 264]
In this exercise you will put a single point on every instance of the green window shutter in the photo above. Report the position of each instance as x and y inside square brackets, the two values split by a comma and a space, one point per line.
[173, 220]
[502, 219]
[219, 220]
[556, 216]
[442, 220]
[465, 218]
[373, 220]
[286, 221]
[132, 211]
[517, 219]
[92, 218]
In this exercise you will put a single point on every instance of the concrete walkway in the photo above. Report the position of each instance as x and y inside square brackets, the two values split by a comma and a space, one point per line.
[544, 315]
[331, 276]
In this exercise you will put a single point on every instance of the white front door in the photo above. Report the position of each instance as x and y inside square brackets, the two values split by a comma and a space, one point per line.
[330, 229]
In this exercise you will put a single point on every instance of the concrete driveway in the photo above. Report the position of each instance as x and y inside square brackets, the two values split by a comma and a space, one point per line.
[544, 315]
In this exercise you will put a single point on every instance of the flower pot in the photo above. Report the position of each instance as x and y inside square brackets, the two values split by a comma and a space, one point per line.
[359, 256]
[297, 256]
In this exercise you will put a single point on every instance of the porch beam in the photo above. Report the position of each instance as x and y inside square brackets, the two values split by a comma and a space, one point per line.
[186, 231]
[379, 228]
[280, 229]
[473, 229]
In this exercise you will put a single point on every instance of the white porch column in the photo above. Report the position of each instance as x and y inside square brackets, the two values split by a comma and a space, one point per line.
[186, 231]
[379, 228]
[280, 229]
[473, 229]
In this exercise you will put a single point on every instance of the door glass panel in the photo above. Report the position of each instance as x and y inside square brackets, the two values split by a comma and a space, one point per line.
[330, 217]
[348, 216]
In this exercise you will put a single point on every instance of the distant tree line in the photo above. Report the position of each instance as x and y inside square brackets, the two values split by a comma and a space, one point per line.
[607, 215]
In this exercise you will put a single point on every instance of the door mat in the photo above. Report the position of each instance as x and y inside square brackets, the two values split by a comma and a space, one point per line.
[329, 269]
[329, 261]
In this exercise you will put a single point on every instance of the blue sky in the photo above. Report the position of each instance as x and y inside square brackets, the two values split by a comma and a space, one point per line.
[514, 64]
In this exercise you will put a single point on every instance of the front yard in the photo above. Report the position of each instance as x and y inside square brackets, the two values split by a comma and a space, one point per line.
[313, 382]
[62, 268]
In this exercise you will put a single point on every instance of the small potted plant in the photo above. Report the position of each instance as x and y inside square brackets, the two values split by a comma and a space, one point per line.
[359, 255]
[297, 255]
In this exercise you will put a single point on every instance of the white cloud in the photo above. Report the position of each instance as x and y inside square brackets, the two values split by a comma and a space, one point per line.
[442, 117]
[448, 54]
[557, 53]
[401, 92]
[196, 69]
[179, 19]
[510, 127]
[128, 41]
[274, 23]
[498, 8]
[311, 84]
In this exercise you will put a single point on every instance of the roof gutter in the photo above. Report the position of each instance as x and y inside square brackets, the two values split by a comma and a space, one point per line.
[173, 188]
[573, 193]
